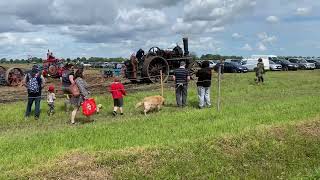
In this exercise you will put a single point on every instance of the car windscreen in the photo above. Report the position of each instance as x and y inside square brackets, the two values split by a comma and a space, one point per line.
[302, 61]
[234, 63]
[271, 62]
[286, 61]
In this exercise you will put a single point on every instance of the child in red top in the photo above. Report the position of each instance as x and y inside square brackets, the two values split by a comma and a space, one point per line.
[117, 90]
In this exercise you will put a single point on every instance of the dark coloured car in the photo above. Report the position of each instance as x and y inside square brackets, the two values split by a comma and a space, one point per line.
[303, 64]
[232, 67]
[316, 62]
[286, 65]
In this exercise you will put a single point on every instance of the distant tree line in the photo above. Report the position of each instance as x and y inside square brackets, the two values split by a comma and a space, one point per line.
[76, 60]
[120, 59]
[218, 57]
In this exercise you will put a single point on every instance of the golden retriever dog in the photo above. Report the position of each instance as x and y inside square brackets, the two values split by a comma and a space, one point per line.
[150, 103]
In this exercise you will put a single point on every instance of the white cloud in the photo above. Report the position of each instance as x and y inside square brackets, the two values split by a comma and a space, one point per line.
[236, 36]
[12, 39]
[140, 19]
[272, 19]
[216, 10]
[215, 29]
[266, 38]
[303, 11]
[195, 27]
[261, 47]
[247, 47]
[34, 41]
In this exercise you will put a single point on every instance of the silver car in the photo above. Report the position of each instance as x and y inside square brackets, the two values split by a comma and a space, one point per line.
[274, 66]
[303, 64]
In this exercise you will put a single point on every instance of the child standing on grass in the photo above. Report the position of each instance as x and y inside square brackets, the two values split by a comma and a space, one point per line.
[51, 97]
[117, 90]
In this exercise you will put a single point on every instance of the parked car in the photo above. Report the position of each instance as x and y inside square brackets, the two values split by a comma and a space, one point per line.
[274, 66]
[232, 67]
[250, 64]
[234, 60]
[316, 62]
[286, 65]
[303, 64]
[212, 64]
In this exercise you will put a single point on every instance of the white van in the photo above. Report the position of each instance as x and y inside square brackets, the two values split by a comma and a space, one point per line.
[252, 62]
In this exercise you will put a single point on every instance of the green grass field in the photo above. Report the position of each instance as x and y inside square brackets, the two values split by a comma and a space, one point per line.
[270, 131]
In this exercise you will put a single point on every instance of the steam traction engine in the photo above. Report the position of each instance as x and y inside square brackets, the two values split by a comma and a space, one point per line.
[147, 68]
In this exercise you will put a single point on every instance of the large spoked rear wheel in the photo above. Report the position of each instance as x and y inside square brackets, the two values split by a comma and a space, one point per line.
[14, 76]
[193, 68]
[153, 66]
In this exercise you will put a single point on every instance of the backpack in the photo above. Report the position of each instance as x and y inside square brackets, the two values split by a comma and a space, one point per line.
[33, 83]
[65, 77]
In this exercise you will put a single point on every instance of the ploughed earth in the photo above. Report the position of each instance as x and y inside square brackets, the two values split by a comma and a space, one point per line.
[97, 85]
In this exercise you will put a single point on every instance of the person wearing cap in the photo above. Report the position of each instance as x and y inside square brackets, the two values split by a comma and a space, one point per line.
[34, 81]
[260, 71]
[51, 97]
[181, 77]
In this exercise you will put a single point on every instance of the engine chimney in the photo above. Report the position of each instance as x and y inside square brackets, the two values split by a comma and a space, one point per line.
[185, 46]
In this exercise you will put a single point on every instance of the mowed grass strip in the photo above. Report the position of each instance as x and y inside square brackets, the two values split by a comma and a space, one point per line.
[285, 97]
[273, 152]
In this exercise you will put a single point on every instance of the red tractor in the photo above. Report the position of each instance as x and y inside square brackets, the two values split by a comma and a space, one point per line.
[52, 67]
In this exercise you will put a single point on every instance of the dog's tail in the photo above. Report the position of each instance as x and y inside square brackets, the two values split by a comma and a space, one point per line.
[139, 104]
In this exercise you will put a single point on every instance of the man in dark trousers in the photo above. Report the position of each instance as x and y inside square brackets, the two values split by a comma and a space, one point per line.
[204, 82]
[181, 77]
[34, 82]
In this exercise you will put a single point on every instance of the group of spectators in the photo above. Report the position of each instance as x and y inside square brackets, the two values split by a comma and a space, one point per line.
[70, 79]
[182, 77]
[34, 82]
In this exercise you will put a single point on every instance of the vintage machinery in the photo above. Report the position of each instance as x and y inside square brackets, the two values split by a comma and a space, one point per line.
[11, 76]
[147, 68]
[52, 66]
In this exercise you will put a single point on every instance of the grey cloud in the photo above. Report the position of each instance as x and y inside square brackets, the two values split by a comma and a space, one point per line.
[44, 12]
[216, 10]
[159, 3]
[129, 23]
[13, 24]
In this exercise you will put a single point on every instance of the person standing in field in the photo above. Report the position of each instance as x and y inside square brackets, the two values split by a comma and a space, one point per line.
[204, 82]
[51, 97]
[67, 79]
[34, 82]
[181, 77]
[260, 71]
[117, 90]
[84, 94]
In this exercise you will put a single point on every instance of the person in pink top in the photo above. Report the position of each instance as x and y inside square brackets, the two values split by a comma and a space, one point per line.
[117, 90]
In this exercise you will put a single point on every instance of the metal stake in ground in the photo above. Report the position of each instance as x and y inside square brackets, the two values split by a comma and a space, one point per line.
[161, 80]
[219, 86]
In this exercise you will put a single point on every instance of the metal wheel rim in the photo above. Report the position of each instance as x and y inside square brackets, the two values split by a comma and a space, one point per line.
[14, 76]
[153, 70]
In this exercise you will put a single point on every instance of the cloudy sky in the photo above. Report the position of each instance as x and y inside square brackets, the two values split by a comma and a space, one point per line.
[114, 28]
